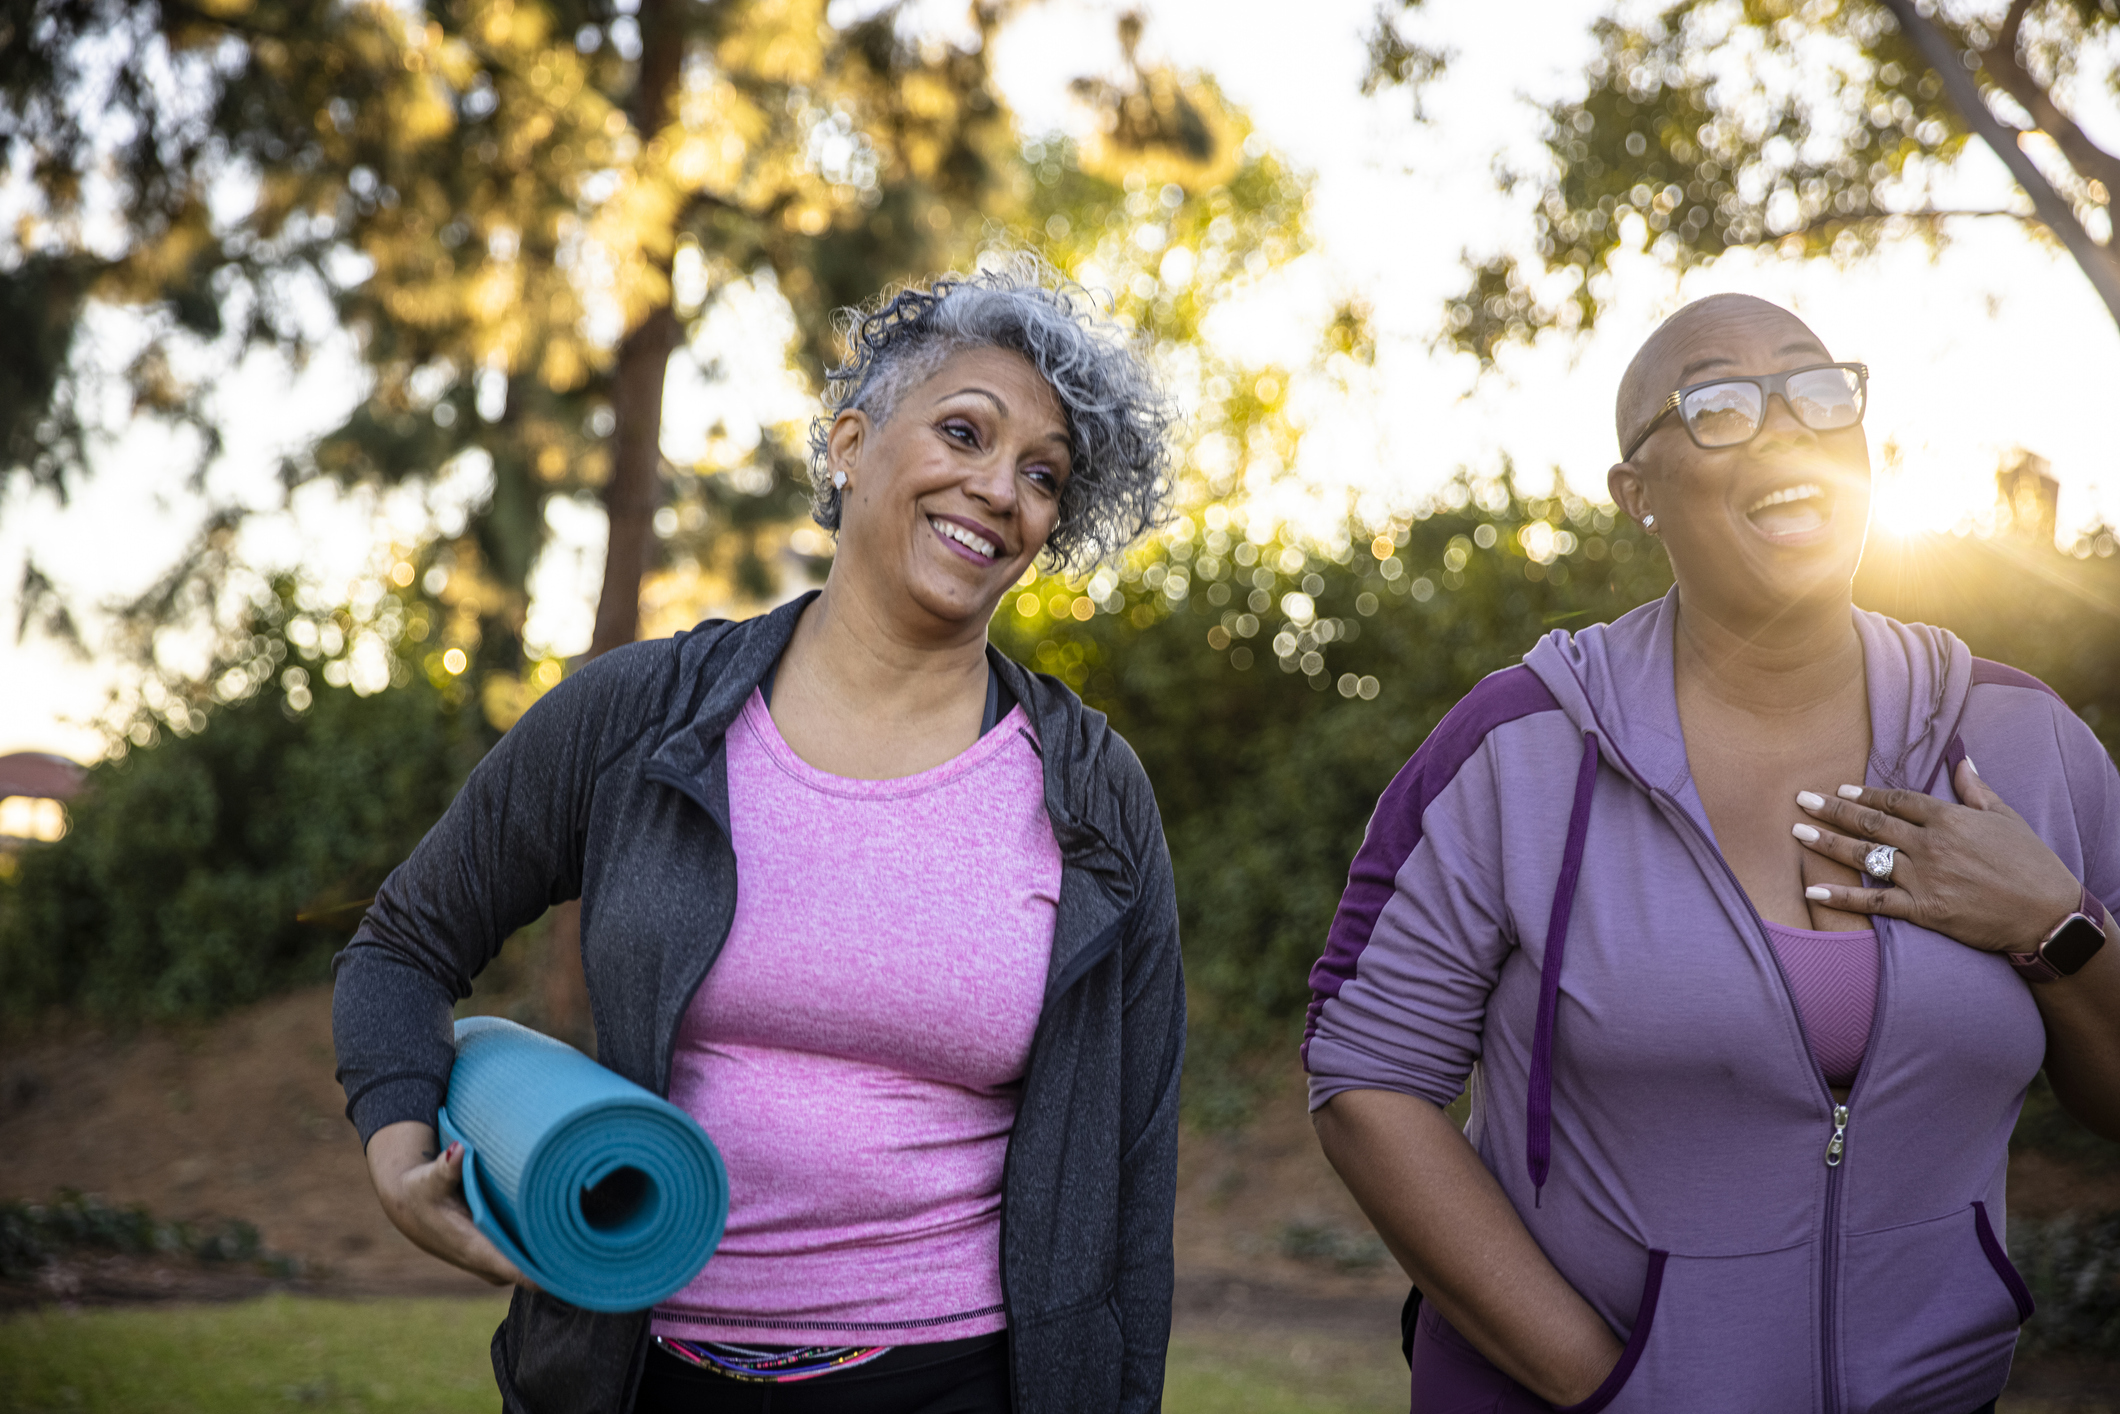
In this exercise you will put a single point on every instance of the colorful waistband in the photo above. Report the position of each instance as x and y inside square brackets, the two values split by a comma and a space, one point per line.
[777, 1366]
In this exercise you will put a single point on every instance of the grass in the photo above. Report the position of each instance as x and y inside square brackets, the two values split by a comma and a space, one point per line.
[285, 1354]
[1301, 1372]
[278, 1353]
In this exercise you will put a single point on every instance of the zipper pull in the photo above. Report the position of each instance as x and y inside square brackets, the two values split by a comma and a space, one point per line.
[1837, 1145]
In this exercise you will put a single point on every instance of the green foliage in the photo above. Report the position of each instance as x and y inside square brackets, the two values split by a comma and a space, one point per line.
[1272, 690]
[520, 208]
[1814, 129]
[31, 1233]
[221, 855]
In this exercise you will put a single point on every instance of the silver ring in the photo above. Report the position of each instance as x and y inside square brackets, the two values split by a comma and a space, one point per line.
[1878, 862]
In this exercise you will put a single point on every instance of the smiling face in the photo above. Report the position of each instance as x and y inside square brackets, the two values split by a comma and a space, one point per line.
[1754, 529]
[947, 503]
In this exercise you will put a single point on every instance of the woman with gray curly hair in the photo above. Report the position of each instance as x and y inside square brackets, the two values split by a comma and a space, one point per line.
[889, 915]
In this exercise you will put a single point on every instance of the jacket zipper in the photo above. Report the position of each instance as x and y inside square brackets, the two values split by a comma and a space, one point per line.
[1829, 1292]
[1837, 1140]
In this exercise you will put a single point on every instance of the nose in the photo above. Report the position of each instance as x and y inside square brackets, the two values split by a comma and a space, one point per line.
[993, 482]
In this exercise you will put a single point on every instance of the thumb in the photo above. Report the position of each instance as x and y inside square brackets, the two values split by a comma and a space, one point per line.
[1974, 791]
[446, 1174]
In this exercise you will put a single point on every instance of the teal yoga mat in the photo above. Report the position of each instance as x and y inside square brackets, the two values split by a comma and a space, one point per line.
[607, 1196]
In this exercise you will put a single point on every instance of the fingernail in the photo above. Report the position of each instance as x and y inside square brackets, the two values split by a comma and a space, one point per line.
[1851, 792]
[1809, 800]
[1971, 767]
[453, 1151]
[1805, 833]
[1816, 894]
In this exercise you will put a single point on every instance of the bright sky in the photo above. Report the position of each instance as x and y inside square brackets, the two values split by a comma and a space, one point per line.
[1997, 344]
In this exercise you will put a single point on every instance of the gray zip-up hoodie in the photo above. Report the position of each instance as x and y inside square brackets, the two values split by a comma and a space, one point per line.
[614, 789]
[1540, 905]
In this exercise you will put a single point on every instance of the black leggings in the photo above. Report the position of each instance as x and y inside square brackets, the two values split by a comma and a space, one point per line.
[946, 1377]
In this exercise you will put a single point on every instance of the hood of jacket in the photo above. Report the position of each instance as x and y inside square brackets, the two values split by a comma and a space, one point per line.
[1617, 680]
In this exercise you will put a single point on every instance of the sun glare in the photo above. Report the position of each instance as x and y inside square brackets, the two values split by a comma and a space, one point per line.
[1922, 494]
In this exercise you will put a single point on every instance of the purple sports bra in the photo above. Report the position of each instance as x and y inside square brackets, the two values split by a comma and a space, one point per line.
[1834, 979]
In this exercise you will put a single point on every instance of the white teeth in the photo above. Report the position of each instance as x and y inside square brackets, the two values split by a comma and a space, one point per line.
[1802, 491]
[965, 537]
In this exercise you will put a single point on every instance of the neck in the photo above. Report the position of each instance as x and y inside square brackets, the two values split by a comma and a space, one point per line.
[849, 650]
[1803, 656]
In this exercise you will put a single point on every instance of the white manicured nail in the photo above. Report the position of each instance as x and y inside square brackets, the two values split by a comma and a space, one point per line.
[1809, 800]
[1816, 894]
[1851, 792]
[1805, 833]
[1971, 767]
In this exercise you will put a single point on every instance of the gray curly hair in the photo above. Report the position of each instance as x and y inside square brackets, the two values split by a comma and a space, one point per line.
[1118, 419]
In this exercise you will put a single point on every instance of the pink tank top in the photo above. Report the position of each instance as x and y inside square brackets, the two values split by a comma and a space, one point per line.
[856, 1052]
[1833, 977]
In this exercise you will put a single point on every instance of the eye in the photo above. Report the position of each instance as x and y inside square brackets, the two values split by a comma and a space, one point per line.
[1044, 477]
[961, 432]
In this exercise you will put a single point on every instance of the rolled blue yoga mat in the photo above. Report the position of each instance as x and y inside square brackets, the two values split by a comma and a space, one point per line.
[607, 1196]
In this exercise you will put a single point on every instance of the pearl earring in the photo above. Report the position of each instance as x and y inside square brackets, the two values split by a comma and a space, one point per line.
[839, 480]
[1649, 523]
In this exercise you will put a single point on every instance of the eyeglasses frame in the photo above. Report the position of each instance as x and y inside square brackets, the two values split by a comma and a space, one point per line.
[1770, 385]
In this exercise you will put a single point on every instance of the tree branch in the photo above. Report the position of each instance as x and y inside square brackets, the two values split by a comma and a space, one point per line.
[2092, 162]
[1942, 58]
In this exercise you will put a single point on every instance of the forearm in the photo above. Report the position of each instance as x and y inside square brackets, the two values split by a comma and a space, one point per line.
[392, 1029]
[1452, 1228]
[2082, 1016]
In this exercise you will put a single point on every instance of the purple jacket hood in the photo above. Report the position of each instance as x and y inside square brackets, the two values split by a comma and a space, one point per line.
[1616, 680]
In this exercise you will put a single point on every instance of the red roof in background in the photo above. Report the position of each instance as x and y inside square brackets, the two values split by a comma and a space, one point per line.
[39, 774]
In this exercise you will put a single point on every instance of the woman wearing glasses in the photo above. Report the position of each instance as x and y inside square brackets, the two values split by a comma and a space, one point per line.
[1740, 1113]
[890, 916]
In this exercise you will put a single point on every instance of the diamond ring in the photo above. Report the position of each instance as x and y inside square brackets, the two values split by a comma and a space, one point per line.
[1878, 862]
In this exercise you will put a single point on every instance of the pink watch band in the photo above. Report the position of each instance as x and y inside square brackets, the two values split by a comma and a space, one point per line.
[2033, 966]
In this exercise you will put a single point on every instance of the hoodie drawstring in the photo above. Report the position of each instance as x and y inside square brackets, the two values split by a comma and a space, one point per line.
[1539, 1103]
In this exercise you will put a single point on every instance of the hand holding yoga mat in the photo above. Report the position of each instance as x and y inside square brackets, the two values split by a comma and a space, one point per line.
[605, 1195]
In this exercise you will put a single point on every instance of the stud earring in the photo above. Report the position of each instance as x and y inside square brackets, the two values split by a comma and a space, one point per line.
[1648, 522]
[839, 480]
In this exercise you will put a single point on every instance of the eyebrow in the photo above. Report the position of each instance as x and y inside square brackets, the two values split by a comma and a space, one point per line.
[993, 398]
[1701, 365]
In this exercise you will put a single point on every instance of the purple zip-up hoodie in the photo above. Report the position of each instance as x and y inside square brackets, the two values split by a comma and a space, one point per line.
[1540, 907]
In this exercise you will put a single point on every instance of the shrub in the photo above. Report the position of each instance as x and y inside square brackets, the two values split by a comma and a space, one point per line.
[210, 868]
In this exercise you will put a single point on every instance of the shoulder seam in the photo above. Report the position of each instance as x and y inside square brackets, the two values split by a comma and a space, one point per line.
[1395, 828]
[1989, 673]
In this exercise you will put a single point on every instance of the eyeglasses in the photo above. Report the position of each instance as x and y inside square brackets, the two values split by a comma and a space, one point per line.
[1729, 412]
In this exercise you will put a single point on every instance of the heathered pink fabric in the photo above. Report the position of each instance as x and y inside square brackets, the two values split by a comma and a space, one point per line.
[856, 1050]
[1833, 977]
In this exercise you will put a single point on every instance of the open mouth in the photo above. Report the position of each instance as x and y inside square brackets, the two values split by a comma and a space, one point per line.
[966, 541]
[1795, 509]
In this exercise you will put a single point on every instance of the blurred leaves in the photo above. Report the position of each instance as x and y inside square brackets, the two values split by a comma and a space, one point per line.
[1272, 689]
[221, 852]
[493, 196]
[1814, 130]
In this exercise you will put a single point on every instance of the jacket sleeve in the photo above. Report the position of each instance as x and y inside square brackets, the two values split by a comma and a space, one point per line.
[2094, 792]
[1400, 997]
[1152, 1037]
[510, 846]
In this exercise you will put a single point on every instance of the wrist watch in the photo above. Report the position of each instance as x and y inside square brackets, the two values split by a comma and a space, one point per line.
[2063, 952]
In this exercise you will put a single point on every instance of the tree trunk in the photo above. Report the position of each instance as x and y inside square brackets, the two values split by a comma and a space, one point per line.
[632, 493]
[2098, 264]
[631, 497]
